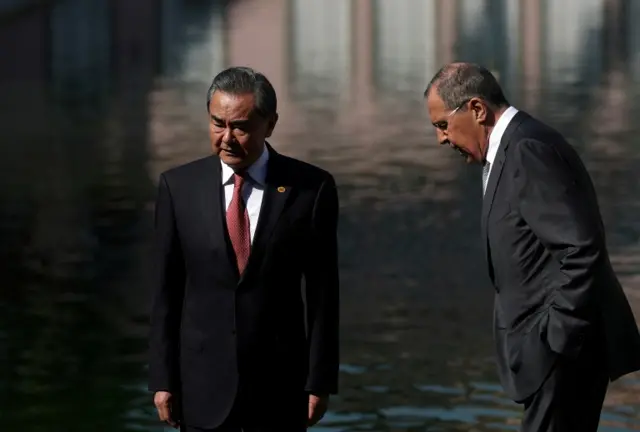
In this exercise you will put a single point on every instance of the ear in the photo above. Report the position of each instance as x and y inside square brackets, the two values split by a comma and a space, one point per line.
[479, 110]
[272, 124]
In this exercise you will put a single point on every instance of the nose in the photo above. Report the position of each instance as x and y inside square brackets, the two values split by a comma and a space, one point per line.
[227, 137]
[442, 137]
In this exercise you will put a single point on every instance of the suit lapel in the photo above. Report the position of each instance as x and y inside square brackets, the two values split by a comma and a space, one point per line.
[487, 201]
[494, 180]
[276, 193]
[212, 206]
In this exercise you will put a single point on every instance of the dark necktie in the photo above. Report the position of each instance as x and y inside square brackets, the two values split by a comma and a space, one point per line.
[238, 224]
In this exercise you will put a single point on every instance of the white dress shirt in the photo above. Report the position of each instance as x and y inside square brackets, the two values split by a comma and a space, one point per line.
[252, 191]
[496, 136]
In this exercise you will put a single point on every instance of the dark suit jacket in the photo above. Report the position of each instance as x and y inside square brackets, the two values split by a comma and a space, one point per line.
[548, 261]
[214, 331]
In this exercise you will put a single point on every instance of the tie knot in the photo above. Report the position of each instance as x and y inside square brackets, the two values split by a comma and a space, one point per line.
[238, 179]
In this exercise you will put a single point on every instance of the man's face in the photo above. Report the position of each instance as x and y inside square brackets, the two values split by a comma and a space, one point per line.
[237, 132]
[462, 127]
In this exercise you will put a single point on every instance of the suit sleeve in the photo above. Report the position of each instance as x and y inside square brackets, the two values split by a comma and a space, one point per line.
[322, 293]
[168, 291]
[560, 213]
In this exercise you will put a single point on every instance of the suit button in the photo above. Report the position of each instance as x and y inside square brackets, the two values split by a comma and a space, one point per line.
[233, 332]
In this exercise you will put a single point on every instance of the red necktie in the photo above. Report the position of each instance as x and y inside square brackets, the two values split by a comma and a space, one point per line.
[238, 224]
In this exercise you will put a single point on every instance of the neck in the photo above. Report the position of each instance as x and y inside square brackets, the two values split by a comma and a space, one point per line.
[496, 116]
[247, 164]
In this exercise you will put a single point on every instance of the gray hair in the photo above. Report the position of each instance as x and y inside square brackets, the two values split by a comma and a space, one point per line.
[456, 83]
[243, 80]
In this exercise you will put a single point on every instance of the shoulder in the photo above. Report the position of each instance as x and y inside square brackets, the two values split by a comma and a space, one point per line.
[548, 158]
[527, 127]
[302, 173]
[191, 170]
[535, 140]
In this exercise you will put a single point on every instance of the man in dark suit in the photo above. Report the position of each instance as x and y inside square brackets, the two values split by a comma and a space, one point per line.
[236, 343]
[563, 327]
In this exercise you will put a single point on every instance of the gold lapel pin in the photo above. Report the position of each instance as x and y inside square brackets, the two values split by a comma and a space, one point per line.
[281, 189]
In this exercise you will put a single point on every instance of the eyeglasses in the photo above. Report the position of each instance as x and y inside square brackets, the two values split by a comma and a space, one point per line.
[444, 124]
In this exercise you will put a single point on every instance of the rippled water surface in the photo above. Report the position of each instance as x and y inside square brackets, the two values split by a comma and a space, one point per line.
[99, 97]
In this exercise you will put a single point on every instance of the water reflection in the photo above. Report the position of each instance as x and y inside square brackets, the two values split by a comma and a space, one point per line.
[96, 104]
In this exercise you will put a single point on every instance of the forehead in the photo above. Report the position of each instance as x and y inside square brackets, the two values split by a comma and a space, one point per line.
[435, 105]
[231, 106]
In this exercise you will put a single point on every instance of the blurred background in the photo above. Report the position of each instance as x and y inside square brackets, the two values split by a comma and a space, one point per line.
[97, 97]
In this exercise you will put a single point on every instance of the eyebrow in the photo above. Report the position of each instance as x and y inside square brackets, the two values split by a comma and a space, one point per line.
[239, 122]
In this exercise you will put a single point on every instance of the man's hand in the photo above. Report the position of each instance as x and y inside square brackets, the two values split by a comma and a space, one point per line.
[317, 408]
[163, 402]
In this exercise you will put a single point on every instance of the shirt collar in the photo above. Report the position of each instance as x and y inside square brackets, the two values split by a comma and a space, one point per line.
[257, 171]
[496, 134]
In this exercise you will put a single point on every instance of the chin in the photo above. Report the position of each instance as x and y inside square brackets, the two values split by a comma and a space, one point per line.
[231, 160]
